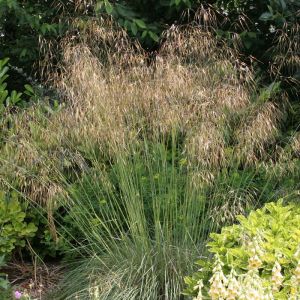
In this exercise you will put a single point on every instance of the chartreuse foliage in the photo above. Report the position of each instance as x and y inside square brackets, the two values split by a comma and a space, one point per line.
[13, 226]
[268, 236]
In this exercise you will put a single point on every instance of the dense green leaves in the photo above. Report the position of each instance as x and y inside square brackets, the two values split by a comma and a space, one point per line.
[13, 227]
[9, 99]
[23, 24]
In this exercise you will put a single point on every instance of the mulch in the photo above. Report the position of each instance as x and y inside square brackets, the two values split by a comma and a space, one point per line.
[35, 279]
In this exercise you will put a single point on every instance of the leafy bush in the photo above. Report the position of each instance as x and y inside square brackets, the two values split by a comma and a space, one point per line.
[268, 31]
[22, 24]
[145, 19]
[3, 280]
[13, 227]
[8, 98]
[50, 240]
[5, 98]
[262, 251]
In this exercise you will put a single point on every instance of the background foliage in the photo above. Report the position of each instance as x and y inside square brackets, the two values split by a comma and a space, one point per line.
[26, 24]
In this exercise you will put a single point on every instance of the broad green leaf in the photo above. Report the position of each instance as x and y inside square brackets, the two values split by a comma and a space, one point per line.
[266, 16]
[283, 4]
[23, 53]
[140, 23]
[154, 36]
[144, 34]
[134, 28]
[4, 284]
[43, 29]
[3, 72]
[29, 88]
[98, 6]
[127, 24]
[108, 7]
[188, 3]
[3, 62]
[3, 96]
[125, 11]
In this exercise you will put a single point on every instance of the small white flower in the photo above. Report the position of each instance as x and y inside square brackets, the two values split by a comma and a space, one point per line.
[277, 277]
[297, 253]
[226, 12]
[233, 289]
[297, 272]
[272, 29]
[253, 294]
[252, 287]
[294, 288]
[218, 282]
[199, 286]
[254, 263]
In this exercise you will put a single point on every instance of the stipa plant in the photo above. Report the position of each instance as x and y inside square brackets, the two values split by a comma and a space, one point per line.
[112, 95]
[138, 222]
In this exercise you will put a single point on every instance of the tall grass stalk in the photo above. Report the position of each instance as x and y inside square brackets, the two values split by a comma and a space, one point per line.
[142, 223]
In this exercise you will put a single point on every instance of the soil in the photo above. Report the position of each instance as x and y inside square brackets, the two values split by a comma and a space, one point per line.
[35, 279]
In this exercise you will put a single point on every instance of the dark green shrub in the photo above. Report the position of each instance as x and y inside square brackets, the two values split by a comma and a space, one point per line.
[145, 19]
[22, 24]
[12, 98]
[51, 240]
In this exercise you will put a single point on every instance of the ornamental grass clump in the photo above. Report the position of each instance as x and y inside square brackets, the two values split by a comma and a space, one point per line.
[255, 259]
[138, 223]
[113, 93]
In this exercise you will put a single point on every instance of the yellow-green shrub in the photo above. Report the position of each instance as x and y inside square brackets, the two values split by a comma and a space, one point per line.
[263, 249]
